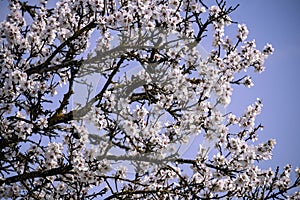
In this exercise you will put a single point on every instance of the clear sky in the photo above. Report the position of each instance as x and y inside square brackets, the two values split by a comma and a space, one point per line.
[276, 22]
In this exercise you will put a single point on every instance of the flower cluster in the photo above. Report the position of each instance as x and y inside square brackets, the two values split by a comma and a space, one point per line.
[157, 89]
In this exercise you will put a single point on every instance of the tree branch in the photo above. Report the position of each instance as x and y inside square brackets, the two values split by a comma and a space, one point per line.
[36, 174]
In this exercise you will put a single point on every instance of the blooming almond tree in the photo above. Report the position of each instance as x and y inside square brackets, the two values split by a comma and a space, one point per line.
[98, 99]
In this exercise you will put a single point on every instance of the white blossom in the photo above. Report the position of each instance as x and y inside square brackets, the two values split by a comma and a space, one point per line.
[156, 91]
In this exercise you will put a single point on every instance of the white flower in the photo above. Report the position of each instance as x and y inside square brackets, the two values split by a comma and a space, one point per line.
[214, 10]
[243, 32]
[268, 49]
[42, 122]
[248, 82]
[121, 171]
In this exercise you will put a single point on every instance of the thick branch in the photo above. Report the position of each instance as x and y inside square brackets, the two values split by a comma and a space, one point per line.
[36, 174]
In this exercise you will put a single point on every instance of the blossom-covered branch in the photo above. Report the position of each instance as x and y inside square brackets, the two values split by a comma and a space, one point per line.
[98, 99]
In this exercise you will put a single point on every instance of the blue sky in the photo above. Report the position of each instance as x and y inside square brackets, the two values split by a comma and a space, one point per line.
[276, 22]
